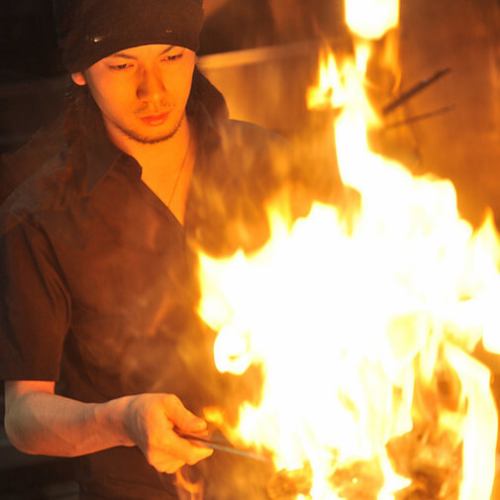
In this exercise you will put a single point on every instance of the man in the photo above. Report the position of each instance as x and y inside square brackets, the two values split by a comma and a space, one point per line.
[97, 277]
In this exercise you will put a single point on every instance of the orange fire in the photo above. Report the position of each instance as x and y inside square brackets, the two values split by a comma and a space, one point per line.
[364, 326]
[371, 19]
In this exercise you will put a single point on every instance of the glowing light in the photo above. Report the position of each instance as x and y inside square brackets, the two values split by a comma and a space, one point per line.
[363, 326]
[371, 19]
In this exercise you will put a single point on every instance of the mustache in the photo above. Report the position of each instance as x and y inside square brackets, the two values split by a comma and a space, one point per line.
[148, 110]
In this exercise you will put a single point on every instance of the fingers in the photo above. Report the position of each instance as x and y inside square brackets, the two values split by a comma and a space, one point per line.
[190, 453]
[182, 418]
[168, 452]
[169, 466]
[156, 416]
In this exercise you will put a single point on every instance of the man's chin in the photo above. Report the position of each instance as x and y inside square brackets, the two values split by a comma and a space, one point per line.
[146, 137]
[151, 139]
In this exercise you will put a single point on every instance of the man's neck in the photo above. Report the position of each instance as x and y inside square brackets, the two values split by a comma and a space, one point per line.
[166, 155]
[167, 166]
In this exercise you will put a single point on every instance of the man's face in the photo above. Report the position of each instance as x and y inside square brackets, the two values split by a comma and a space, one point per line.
[142, 91]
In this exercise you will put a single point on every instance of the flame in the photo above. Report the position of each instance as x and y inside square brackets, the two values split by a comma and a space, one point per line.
[186, 488]
[363, 325]
[371, 19]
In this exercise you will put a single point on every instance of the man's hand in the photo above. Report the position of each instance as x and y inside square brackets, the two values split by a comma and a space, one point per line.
[151, 421]
[40, 422]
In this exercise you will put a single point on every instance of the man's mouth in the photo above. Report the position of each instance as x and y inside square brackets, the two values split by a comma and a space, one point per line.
[155, 120]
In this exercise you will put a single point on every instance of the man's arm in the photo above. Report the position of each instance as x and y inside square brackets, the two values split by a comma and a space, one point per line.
[38, 421]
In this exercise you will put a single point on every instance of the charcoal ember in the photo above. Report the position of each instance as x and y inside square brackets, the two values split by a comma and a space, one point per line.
[442, 393]
[427, 486]
[431, 459]
[431, 454]
[361, 480]
[421, 492]
[286, 485]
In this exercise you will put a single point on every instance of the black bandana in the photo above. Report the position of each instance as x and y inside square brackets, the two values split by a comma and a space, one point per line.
[94, 29]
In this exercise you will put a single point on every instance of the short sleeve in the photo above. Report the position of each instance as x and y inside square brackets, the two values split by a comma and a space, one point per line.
[34, 305]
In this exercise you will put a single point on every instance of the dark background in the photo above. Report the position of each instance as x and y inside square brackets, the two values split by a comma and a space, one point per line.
[30, 91]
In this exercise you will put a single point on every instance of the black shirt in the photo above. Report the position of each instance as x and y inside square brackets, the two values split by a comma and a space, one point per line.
[98, 280]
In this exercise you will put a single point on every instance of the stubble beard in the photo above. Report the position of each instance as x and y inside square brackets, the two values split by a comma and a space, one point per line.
[141, 139]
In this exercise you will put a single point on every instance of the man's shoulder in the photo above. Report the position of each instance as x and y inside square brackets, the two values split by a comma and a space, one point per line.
[19, 165]
[35, 177]
[48, 188]
[248, 149]
[250, 134]
[250, 144]
[230, 193]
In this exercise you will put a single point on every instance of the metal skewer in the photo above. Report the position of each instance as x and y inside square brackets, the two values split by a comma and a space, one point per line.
[418, 118]
[412, 91]
[225, 447]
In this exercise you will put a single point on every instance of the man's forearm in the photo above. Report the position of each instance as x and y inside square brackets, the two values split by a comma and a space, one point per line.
[39, 422]
[48, 424]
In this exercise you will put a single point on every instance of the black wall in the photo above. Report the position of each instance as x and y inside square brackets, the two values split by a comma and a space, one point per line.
[32, 81]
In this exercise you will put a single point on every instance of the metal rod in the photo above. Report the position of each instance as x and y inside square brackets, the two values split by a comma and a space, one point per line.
[414, 90]
[225, 447]
[418, 118]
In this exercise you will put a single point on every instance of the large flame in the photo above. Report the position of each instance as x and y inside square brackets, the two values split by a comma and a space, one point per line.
[371, 19]
[363, 324]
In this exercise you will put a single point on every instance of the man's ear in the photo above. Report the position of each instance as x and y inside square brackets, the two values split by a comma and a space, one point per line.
[79, 79]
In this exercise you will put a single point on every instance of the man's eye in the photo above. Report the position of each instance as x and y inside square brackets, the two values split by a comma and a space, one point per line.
[120, 67]
[173, 57]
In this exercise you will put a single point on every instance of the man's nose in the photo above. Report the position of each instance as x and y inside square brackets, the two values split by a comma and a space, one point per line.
[151, 87]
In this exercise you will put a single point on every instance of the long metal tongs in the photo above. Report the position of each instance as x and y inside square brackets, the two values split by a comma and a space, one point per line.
[221, 444]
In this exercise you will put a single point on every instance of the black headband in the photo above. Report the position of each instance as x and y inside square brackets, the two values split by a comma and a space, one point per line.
[94, 29]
